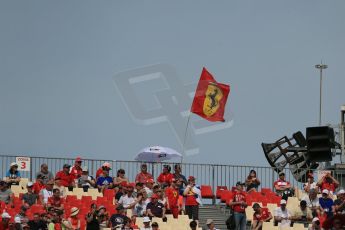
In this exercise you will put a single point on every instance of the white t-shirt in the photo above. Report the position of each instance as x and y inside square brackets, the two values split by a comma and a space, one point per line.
[149, 192]
[126, 201]
[46, 194]
[283, 214]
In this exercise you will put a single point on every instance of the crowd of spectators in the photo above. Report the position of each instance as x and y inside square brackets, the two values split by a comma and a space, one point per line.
[172, 193]
[145, 197]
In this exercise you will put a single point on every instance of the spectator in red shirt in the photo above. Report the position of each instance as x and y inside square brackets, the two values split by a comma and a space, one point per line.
[260, 215]
[328, 182]
[38, 185]
[66, 178]
[282, 187]
[172, 193]
[165, 178]
[100, 171]
[143, 176]
[56, 201]
[191, 204]
[76, 170]
[239, 205]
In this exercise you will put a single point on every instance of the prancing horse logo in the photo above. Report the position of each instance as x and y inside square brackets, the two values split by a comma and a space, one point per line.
[211, 103]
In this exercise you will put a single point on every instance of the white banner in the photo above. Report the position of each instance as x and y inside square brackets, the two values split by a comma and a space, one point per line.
[23, 163]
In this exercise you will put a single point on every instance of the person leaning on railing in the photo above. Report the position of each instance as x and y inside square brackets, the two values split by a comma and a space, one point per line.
[283, 187]
[13, 175]
[252, 181]
[44, 174]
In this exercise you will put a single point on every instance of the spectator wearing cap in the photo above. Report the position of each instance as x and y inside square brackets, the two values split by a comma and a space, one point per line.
[127, 200]
[104, 181]
[13, 175]
[164, 179]
[282, 186]
[326, 204]
[38, 185]
[210, 225]
[155, 208]
[328, 182]
[6, 194]
[239, 205]
[260, 215]
[46, 192]
[312, 201]
[282, 215]
[179, 176]
[149, 187]
[339, 203]
[73, 221]
[86, 181]
[45, 174]
[117, 220]
[143, 176]
[56, 201]
[105, 167]
[252, 181]
[76, 170]
[302, 214]
[103, 217]
[191, 202]
[5, 221]
[30, 197]
[310, 184]
[120, 178]
[146, 223]
[172, 193]
[65, 177]
[315, 224]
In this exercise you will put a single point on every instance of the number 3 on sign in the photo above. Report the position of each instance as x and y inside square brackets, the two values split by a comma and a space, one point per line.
[24, 163]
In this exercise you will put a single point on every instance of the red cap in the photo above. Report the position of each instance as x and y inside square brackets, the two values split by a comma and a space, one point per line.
[154, 196]
[78, 159]
[191, 178]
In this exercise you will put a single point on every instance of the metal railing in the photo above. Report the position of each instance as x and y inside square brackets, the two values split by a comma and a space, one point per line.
[208, 174]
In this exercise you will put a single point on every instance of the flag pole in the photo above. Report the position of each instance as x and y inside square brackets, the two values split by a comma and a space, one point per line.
[185, 136]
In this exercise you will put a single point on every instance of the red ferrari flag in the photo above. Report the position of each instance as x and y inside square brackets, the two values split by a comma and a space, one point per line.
[210, 98]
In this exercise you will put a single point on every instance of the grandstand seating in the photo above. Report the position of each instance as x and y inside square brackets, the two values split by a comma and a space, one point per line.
[206, 192]
[78, 198]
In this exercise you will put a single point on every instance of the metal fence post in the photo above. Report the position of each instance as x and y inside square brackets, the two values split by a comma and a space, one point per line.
[213, 186]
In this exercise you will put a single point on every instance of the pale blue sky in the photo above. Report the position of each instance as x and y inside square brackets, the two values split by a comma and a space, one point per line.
[58, 60]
